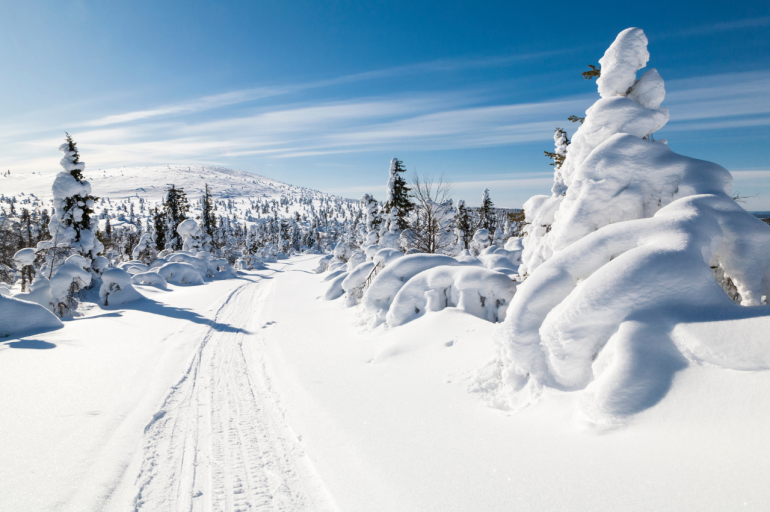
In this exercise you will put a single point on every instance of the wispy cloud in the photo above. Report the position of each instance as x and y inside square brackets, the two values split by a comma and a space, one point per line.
[249, 95]
[419, 121]
[724, 26]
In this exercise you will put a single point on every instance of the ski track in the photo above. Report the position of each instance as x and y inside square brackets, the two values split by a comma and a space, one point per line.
[219, 442]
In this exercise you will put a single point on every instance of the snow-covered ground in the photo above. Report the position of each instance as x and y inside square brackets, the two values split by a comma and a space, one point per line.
[151, 183]
[253, 396]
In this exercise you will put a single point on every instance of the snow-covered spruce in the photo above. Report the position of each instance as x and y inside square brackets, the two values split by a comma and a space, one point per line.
[636, 235]
[73, 204]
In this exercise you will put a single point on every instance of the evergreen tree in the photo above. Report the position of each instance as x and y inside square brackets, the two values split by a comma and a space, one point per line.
[74, 204]
[464, 225]
[159, 226]
[175, 209]
[398, 194]
[487, 212]
[208, 218]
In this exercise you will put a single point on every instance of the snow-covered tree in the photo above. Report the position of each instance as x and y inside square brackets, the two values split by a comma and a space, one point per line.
[633, 241]
[73, 203]
[487, 212]
[398, 195]
[175, 208]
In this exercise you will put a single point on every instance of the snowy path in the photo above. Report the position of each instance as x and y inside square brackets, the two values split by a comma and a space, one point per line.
[220, 442]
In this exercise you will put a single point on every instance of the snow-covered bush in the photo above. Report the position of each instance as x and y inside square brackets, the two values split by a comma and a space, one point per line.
[355, 280]
[323, 264]
[384, 287]
[151, 279]
[22, 317]
[640, 240]
[192, 237]
[478, 291]
[145, 250]
[181, 273]
[334, 290]
[480, 241]
[117, 288]
[70, 278]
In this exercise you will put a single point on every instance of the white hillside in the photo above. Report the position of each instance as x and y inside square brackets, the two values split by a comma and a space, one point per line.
[151, 182]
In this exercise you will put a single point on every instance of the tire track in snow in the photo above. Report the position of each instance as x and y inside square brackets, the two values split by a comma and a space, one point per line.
[219, 442]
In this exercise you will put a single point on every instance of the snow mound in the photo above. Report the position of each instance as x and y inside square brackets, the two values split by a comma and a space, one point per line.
[180, 273]
[151, 279]
[19, 317]
[478, 291]
[117, 288]
[384, 287]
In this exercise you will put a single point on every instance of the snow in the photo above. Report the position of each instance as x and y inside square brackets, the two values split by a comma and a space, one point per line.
[640, 240]
[180, 273]
[151, 279]
[627, 54]
[478, 291]
[351, 419]
[117, 288]
[19, 317]
[24, 257]
[384, 287]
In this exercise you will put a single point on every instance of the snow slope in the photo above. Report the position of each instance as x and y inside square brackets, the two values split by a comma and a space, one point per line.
[151, 183]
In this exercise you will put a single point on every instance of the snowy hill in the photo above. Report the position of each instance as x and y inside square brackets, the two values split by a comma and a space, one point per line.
[151, 182]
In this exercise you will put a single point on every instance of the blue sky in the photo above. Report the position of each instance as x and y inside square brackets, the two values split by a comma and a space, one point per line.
[323, 94]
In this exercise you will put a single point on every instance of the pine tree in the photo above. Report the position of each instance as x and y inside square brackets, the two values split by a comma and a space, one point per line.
[464, 225]
[175, 209]
[159, 226]
[208, 219]
[73, 202]
[486, 212]
[398, 194]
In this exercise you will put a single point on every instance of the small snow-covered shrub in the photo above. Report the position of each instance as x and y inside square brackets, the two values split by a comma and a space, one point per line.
[323, 264]
[355, 259]
[384, 257]
[480, 240]
[355, 280]
[19, 317]
[335, 290]
[39, 292]
[151, 279]
[192, 237]
[117, 288]
[388, 282]
[186, 257]
[69, 279]
[180, 273]
[478, 291]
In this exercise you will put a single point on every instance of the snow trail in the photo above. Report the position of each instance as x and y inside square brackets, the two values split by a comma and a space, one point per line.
[219, 442]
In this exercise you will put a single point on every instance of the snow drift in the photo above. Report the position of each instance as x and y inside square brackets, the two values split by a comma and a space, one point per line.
[22, 317]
